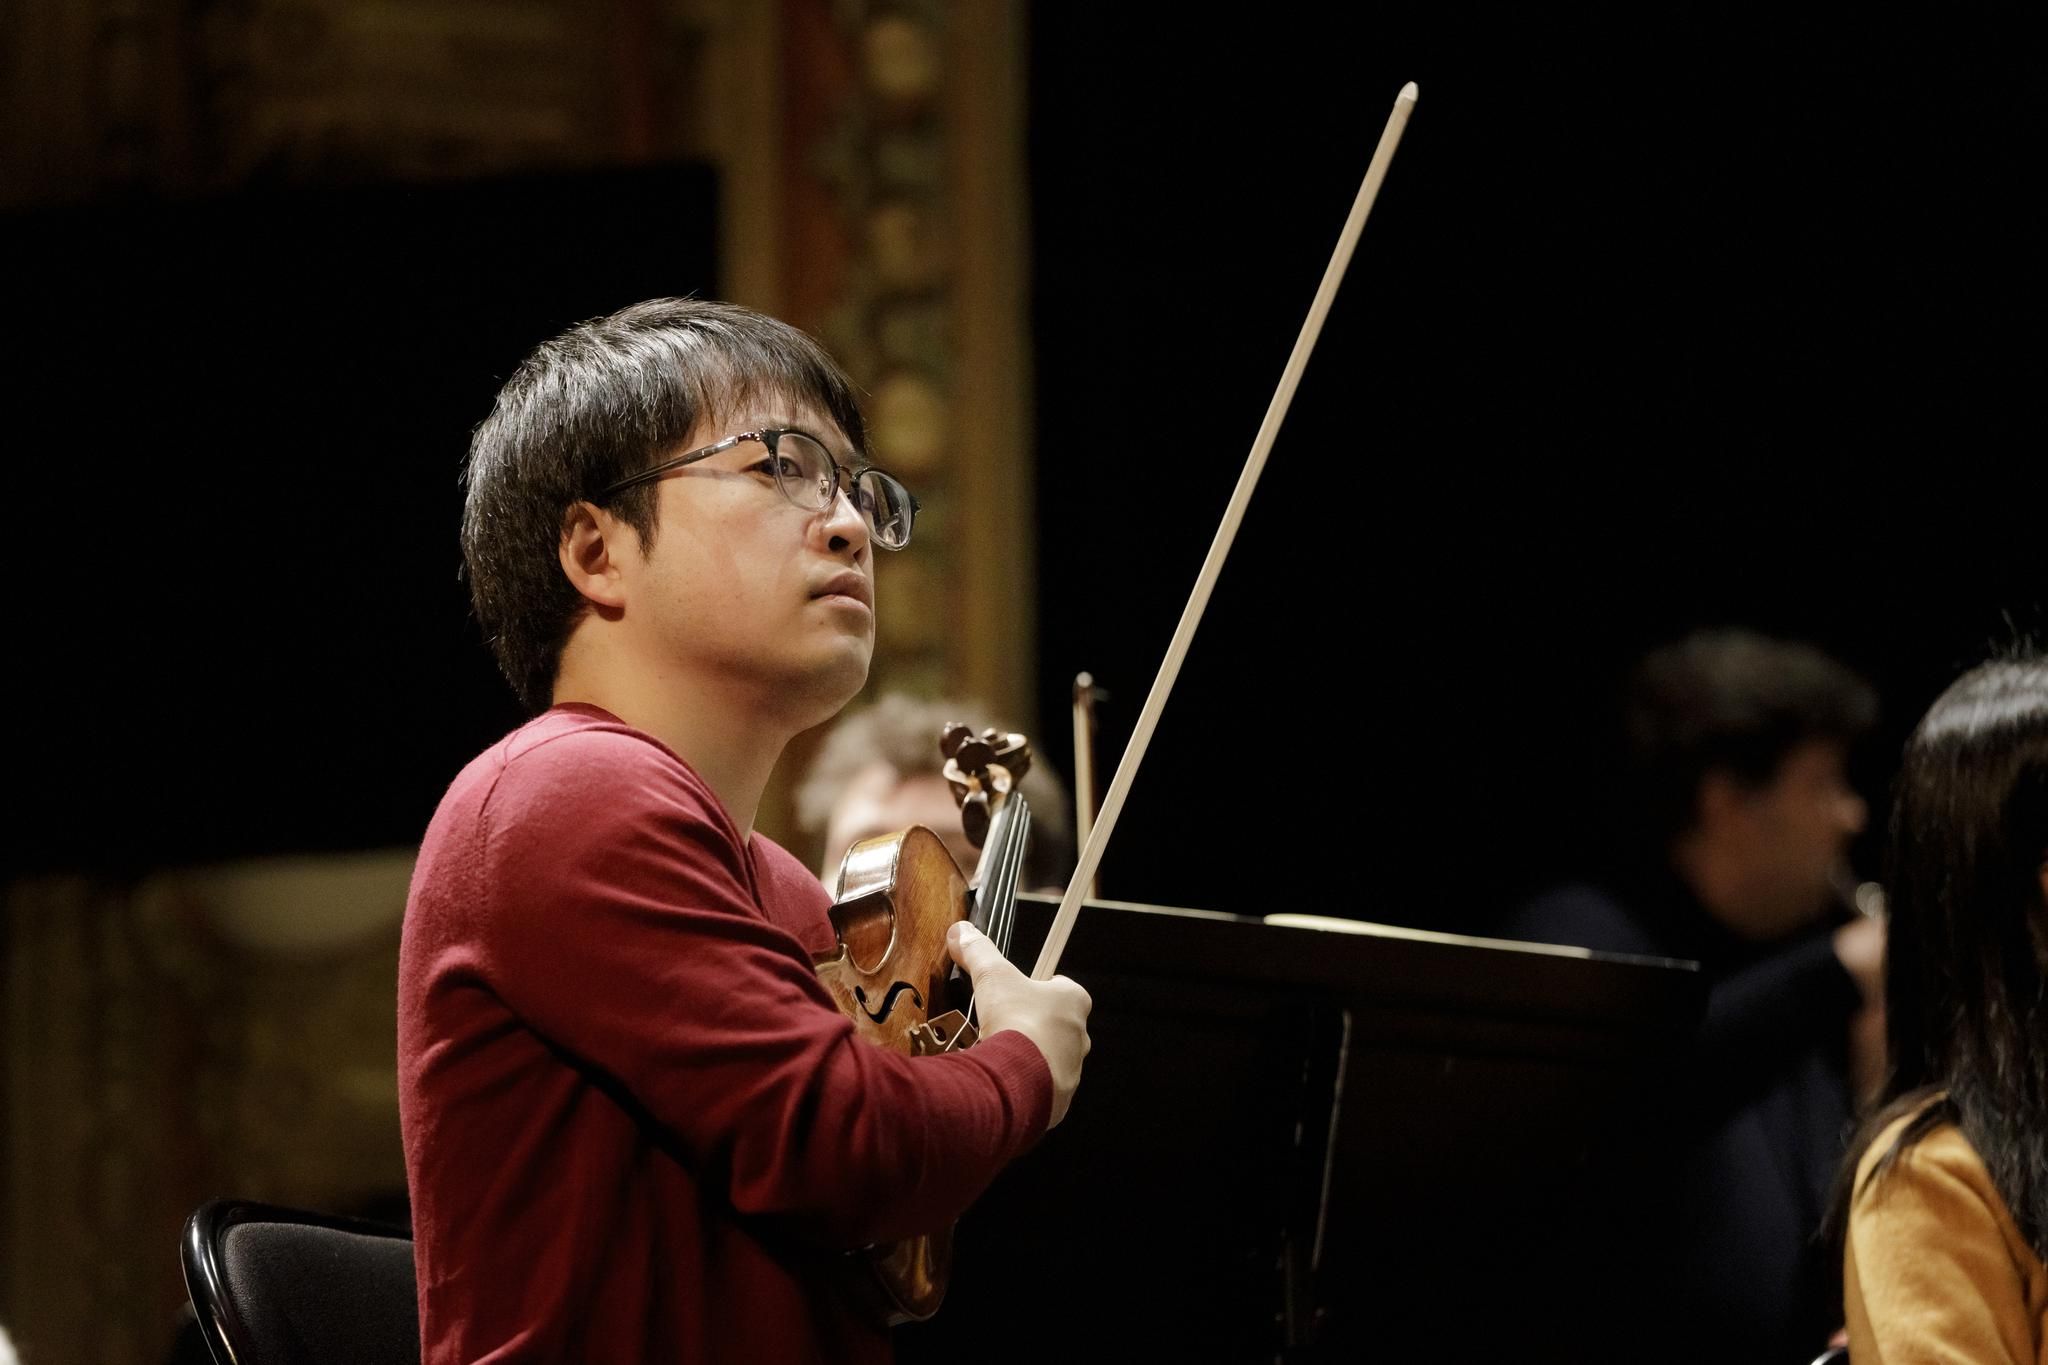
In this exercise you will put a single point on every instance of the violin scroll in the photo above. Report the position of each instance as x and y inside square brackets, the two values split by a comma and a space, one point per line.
[983, 770]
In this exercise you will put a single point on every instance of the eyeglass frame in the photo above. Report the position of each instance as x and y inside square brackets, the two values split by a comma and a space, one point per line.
[844, 480]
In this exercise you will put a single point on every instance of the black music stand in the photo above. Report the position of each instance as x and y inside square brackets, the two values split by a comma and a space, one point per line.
[1319, 1143]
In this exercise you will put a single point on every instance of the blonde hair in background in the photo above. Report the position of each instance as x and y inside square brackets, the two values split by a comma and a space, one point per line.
[903, 732]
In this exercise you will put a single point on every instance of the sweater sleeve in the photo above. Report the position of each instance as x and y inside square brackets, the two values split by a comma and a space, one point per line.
[1928, 1272]
[618, 924]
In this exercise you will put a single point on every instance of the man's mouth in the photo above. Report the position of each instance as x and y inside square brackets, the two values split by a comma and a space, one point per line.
[848, 584]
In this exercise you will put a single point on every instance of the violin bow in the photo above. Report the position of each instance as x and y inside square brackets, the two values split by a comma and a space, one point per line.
[1219, 548]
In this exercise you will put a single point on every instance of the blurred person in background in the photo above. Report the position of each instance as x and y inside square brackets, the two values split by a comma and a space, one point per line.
[878, 772]
[1732, 851]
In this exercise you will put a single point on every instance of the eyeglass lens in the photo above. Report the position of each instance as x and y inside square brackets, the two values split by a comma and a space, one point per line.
[887, 506]
[811, 479]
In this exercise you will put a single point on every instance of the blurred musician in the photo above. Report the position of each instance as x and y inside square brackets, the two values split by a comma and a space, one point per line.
[1740, 817]
[878, 772]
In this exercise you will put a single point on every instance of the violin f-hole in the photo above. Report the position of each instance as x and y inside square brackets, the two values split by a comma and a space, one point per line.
[888, 1001]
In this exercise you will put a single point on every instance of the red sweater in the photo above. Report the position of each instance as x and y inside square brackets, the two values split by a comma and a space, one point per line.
[636, 1127]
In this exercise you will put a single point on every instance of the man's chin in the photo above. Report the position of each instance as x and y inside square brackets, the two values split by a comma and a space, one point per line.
[835, 680]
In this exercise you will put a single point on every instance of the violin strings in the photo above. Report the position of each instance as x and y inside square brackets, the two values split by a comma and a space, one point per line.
[1002, 904]
[995, 900]
[988, 896]
[999, 898]
[995, 848]
[1013, 863]
[998, 890]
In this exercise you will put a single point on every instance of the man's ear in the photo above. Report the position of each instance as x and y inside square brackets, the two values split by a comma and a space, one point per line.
[591, 551]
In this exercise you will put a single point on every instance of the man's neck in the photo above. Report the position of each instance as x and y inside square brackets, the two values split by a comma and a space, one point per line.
[1692, 858]
[1718, 881]
[728, 742]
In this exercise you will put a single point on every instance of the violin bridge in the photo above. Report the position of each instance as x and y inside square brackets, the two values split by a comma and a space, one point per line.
[948, 1032]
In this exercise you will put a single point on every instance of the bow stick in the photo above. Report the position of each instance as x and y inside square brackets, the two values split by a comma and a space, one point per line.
[1219, 548]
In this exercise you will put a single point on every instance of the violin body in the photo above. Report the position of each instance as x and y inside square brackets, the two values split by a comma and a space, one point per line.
[898, 895]
[891, 975]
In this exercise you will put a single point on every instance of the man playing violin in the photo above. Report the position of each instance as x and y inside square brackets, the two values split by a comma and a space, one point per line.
[636, 1126]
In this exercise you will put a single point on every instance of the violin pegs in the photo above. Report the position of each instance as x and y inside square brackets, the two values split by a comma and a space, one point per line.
[952, 737]
[974, 818]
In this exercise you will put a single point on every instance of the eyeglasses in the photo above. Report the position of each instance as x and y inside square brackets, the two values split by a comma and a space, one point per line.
[809, 477]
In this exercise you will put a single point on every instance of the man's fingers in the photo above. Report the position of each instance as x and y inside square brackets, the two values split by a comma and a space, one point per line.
[971, 949]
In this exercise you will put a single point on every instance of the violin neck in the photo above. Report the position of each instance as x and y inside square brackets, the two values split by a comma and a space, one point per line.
[1002, 863]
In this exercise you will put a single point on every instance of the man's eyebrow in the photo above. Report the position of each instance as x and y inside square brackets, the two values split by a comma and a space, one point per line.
[841, 450]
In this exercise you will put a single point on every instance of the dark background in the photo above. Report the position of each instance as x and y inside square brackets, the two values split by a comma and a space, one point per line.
[240, 624]
[1667, 316]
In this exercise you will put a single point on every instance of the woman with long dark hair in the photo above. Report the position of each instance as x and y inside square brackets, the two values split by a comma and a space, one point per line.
[1947, 1212]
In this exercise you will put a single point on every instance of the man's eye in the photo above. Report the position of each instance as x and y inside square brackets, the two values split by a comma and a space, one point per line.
[776, 466]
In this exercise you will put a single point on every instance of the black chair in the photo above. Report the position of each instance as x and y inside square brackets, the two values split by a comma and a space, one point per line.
[275, 1286]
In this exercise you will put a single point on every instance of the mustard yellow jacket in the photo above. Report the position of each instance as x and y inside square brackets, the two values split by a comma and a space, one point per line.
[1935, 1269]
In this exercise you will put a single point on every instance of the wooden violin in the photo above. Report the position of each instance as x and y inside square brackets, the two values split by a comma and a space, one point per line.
[898, 896]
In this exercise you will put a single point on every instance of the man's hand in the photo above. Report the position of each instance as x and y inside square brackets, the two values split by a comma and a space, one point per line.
[1859, 947]
[1053, 1014]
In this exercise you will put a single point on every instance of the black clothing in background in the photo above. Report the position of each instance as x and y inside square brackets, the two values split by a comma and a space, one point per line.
[1741, 1149]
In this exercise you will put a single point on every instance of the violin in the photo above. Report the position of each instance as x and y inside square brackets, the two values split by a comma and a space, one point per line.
[890, 972]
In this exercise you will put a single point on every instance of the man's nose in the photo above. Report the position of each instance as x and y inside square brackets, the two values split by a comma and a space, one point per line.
[1853, 811]
[843, 524]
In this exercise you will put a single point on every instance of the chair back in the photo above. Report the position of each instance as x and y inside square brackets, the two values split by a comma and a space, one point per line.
[278, 1286]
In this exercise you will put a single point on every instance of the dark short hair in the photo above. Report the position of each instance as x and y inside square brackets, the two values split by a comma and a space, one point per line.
[1736, 702]
[592, 406]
